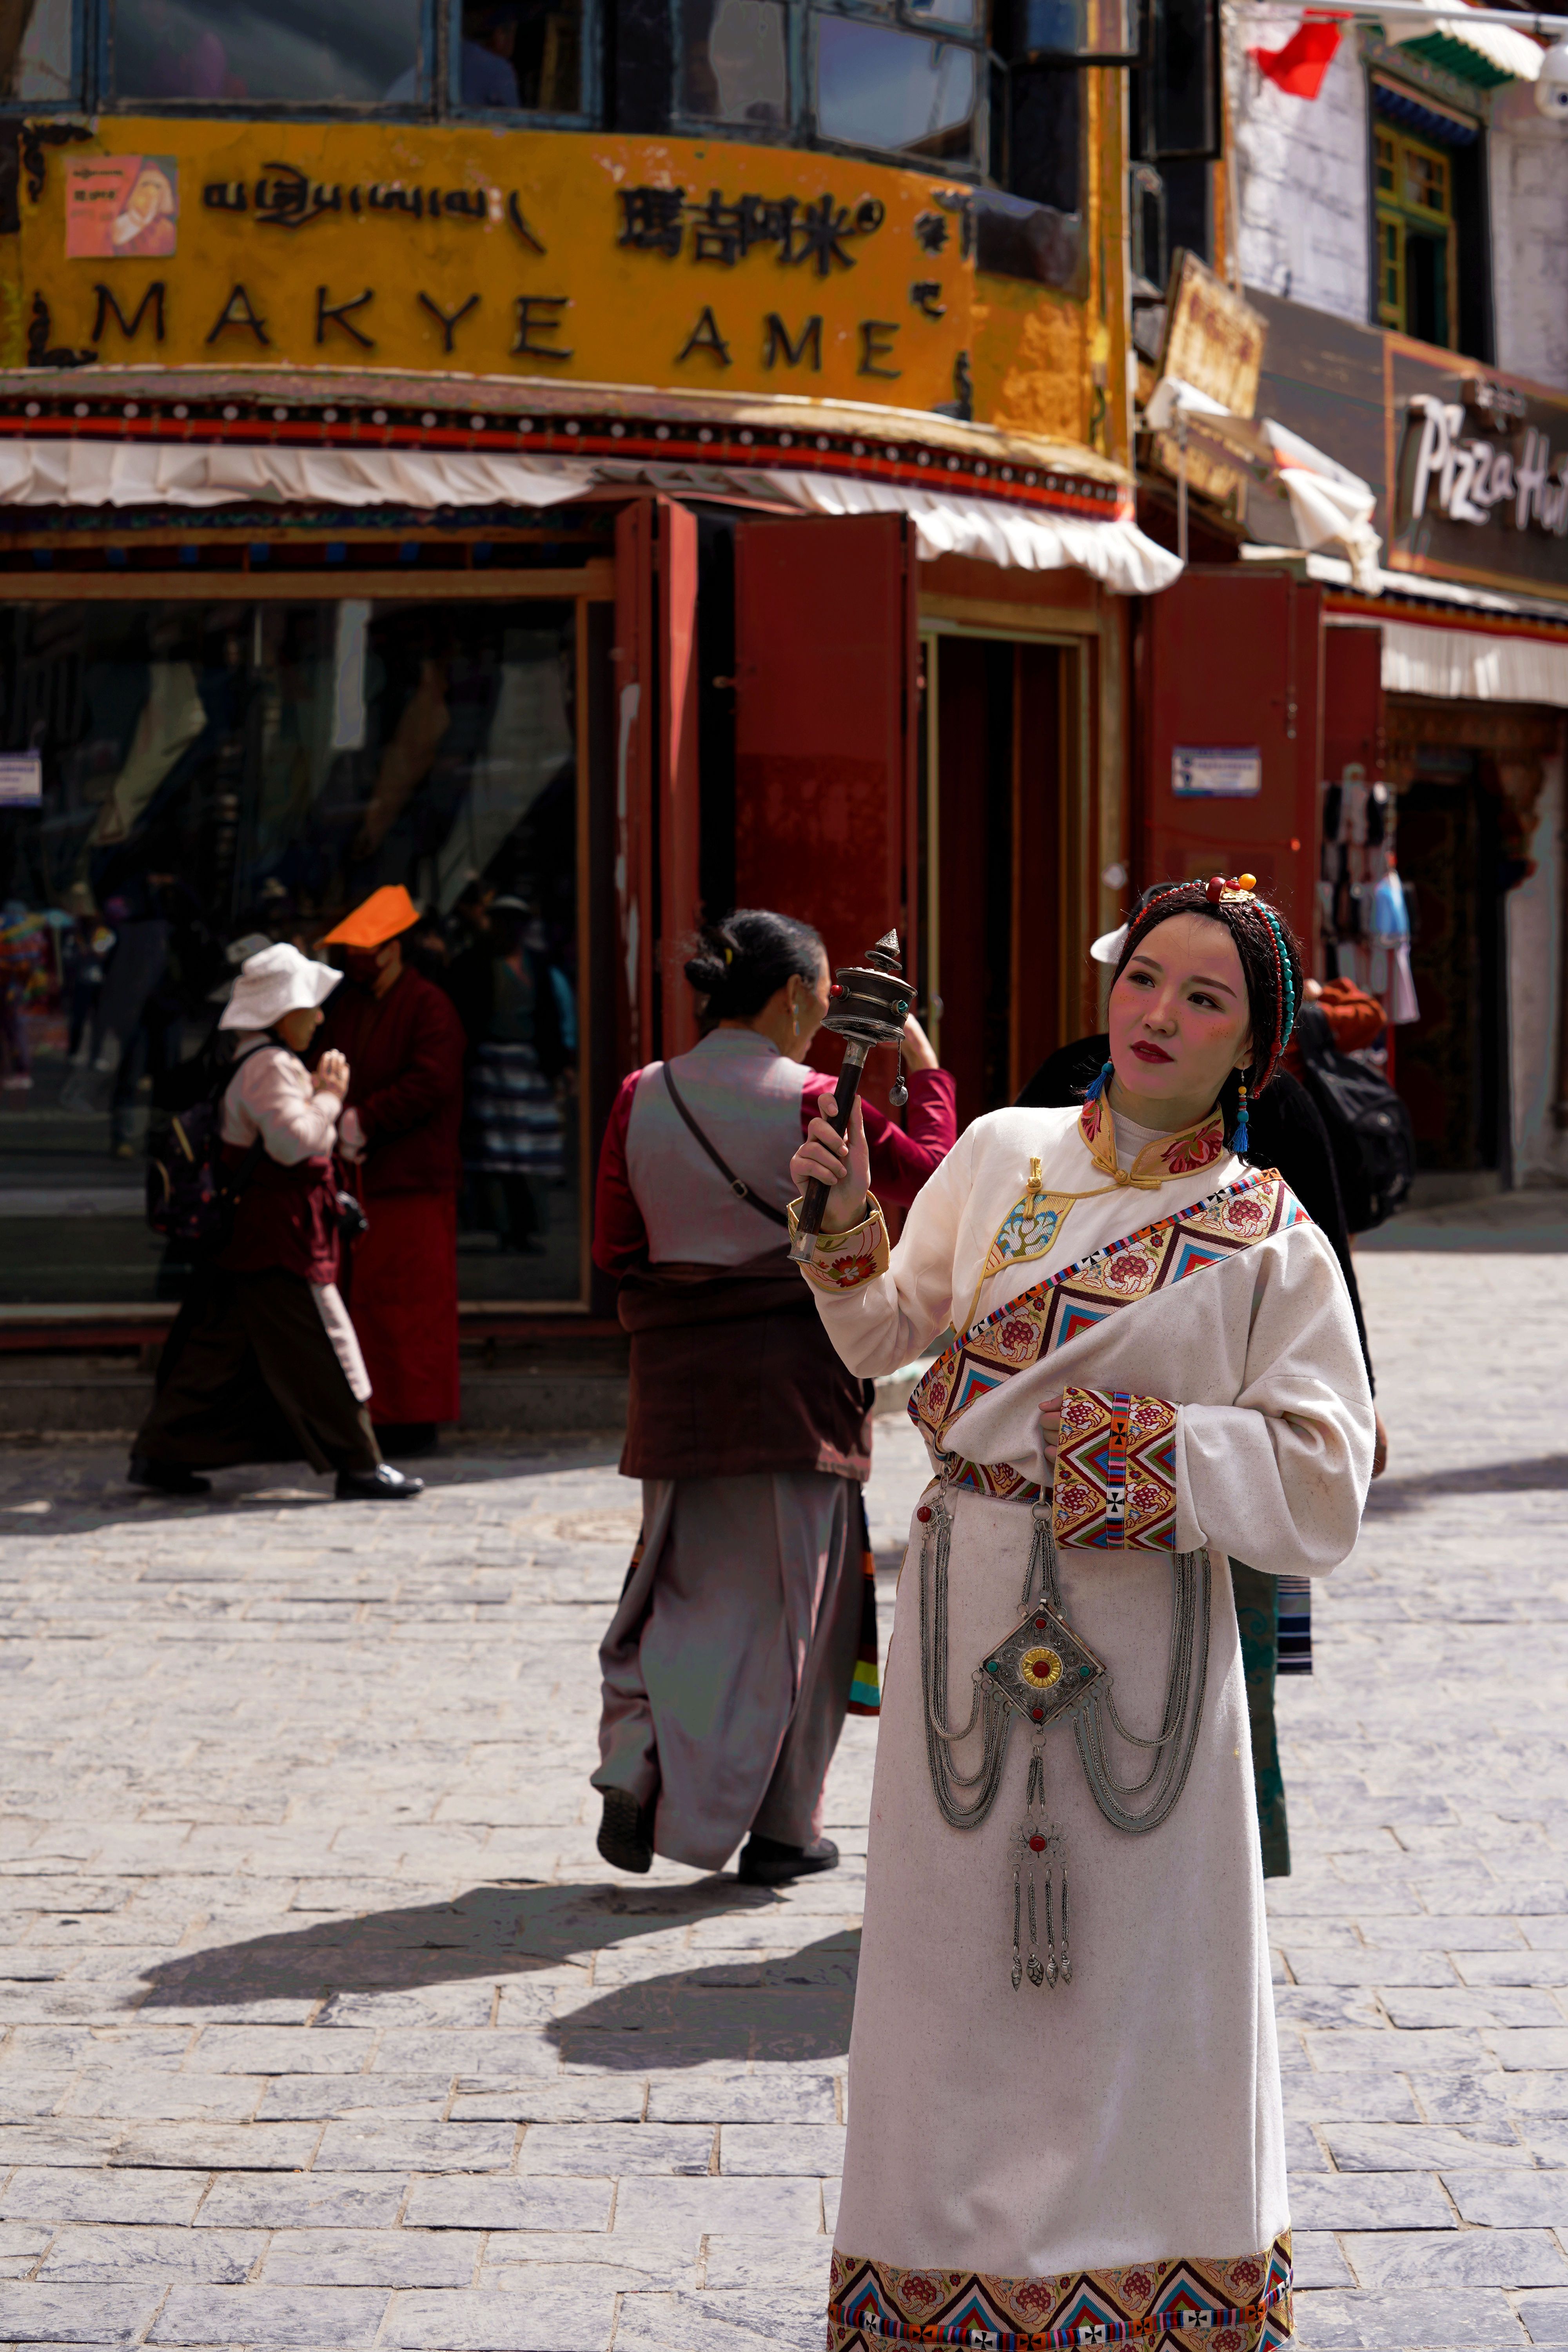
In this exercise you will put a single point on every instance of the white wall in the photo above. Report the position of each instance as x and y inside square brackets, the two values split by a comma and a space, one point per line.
[1302, 168]
[1528, 175]
[1534, 951]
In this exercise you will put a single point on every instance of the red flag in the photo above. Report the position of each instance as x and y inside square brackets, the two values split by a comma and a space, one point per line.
[1298, 68]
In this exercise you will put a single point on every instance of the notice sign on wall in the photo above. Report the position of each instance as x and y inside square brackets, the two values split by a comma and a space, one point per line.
[1208, 771]
[21, 779]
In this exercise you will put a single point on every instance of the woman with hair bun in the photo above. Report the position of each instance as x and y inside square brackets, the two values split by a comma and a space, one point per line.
[729, 1665]
[1065, 1959]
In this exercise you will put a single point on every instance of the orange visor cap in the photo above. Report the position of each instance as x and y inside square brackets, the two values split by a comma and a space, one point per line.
[384, 914]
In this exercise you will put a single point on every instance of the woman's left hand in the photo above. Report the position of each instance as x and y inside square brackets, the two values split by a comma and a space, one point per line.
[1051, 1431]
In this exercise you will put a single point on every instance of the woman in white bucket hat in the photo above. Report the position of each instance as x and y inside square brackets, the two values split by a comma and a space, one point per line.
[262, 1364]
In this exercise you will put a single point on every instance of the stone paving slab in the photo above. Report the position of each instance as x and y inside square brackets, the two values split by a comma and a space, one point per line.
[323, 2026]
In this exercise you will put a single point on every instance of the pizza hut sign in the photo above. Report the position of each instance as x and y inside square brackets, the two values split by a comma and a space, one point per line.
[1469, 480]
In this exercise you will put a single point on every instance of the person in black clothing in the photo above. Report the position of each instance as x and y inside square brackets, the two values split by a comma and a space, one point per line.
[1286, 1133]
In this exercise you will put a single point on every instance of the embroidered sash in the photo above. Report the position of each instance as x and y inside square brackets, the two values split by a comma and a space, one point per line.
[1015, 1338]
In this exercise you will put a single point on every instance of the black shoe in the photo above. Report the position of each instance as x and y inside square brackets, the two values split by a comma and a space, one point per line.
[166, 1478]
[382, 1485]
[623, 1838]
[766, 1863]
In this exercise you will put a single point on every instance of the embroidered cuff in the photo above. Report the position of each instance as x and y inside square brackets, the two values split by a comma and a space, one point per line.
[844, 1261]
[1116, 1473]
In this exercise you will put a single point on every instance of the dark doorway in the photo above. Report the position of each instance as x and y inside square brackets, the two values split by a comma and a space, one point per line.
[1001, 745]
[1451, 1063]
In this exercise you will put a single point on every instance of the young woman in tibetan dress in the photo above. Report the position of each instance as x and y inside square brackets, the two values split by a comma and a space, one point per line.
[1065, 2110]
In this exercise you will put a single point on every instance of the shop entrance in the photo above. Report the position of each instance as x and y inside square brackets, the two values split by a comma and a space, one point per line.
[1453, 1061]
[208, 775]
[1003, 745]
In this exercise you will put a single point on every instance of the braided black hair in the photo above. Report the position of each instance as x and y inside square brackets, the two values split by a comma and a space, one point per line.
[747, 957]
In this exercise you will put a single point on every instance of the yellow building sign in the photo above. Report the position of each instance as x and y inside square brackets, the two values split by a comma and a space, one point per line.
[667, 263]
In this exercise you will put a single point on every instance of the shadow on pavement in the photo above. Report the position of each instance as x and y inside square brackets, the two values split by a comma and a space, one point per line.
[789, 2011]
[70, 1488]
[489, 1931]
[1547, 1473]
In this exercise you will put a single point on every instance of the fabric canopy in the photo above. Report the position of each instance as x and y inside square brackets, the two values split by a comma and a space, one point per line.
[1467, 665]
[1511, 54]
[1329, 506]
[201, 474]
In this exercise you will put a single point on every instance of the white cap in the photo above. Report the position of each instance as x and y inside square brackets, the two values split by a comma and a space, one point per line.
[1107, 948]
[278, 979]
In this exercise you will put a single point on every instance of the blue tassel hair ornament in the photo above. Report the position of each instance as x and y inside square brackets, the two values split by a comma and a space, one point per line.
[1092, 1093]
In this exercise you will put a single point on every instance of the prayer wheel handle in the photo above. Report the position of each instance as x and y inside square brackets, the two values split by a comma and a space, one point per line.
[870, 1003]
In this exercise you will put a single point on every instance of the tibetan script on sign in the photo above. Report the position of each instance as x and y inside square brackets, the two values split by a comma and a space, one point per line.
[285, 198]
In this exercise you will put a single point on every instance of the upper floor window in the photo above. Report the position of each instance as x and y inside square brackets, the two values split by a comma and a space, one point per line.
[277, 53]
[1416, 239]
[507, 57]
[903, 78]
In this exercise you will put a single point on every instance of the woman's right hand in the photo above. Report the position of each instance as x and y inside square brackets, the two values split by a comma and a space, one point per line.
[844, 1167]
[332, 1072]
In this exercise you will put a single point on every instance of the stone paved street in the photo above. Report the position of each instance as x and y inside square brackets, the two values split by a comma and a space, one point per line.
[321, 2026]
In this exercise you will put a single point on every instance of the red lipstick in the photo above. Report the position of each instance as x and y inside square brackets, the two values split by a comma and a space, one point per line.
[1147, 1051]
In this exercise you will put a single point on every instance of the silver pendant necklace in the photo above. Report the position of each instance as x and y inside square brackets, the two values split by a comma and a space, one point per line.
[1043, 1675]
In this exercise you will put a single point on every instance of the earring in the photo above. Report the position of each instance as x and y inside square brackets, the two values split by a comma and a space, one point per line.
[1092, 1093]
[1241, 1136]
[794, 1018]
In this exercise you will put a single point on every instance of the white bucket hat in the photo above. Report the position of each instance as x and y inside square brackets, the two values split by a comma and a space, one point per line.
[278, 979]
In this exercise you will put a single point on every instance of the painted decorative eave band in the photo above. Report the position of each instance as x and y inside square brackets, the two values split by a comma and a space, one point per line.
[291, 407]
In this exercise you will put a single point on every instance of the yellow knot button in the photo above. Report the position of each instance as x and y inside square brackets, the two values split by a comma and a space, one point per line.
[1122, 1177]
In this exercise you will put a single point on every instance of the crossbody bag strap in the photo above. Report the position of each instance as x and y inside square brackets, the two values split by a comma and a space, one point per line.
[737, 1184]
[233, 1185]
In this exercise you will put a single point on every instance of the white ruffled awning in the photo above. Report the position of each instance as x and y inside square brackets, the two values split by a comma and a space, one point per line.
[1467, 665]
[210, 474]
[213, 474]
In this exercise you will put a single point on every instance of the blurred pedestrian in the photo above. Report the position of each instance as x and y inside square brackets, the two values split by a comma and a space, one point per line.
[262, 1364]
[729, 1664]
[403, 1042]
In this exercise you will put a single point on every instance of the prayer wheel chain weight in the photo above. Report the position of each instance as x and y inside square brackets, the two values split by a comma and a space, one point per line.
[870, 1003]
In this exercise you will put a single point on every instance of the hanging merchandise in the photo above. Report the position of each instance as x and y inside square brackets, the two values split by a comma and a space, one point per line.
[1391, 928]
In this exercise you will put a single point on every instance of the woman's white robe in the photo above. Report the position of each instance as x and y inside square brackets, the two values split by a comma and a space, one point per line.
[1134, 2117]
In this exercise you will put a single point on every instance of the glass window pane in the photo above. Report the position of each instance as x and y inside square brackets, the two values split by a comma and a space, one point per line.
[524, 54]
[35, 50]
[1075, 28]
[896, 91]
[295, 52]
[215, 777]
[940, 12]
[734, 61]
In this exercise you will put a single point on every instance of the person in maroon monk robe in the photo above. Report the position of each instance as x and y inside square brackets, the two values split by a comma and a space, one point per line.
[404, 1046]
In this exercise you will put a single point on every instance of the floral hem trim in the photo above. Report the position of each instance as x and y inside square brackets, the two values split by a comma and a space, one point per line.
[844, 1261]
[1238, 2305]
[1116, 1473]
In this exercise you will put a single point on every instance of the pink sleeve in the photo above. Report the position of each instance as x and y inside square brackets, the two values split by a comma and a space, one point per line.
[620, 1236]
[272, 1096]
[901, 1157]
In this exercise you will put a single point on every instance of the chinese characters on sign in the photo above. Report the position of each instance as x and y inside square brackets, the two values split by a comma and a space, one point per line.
[655, 220]
[1469, 480]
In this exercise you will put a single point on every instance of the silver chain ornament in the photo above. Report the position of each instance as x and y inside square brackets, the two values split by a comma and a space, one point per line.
[1044, 1675]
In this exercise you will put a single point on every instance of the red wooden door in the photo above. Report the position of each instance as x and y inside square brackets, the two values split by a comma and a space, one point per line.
[1230, 666]
[825, 726]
